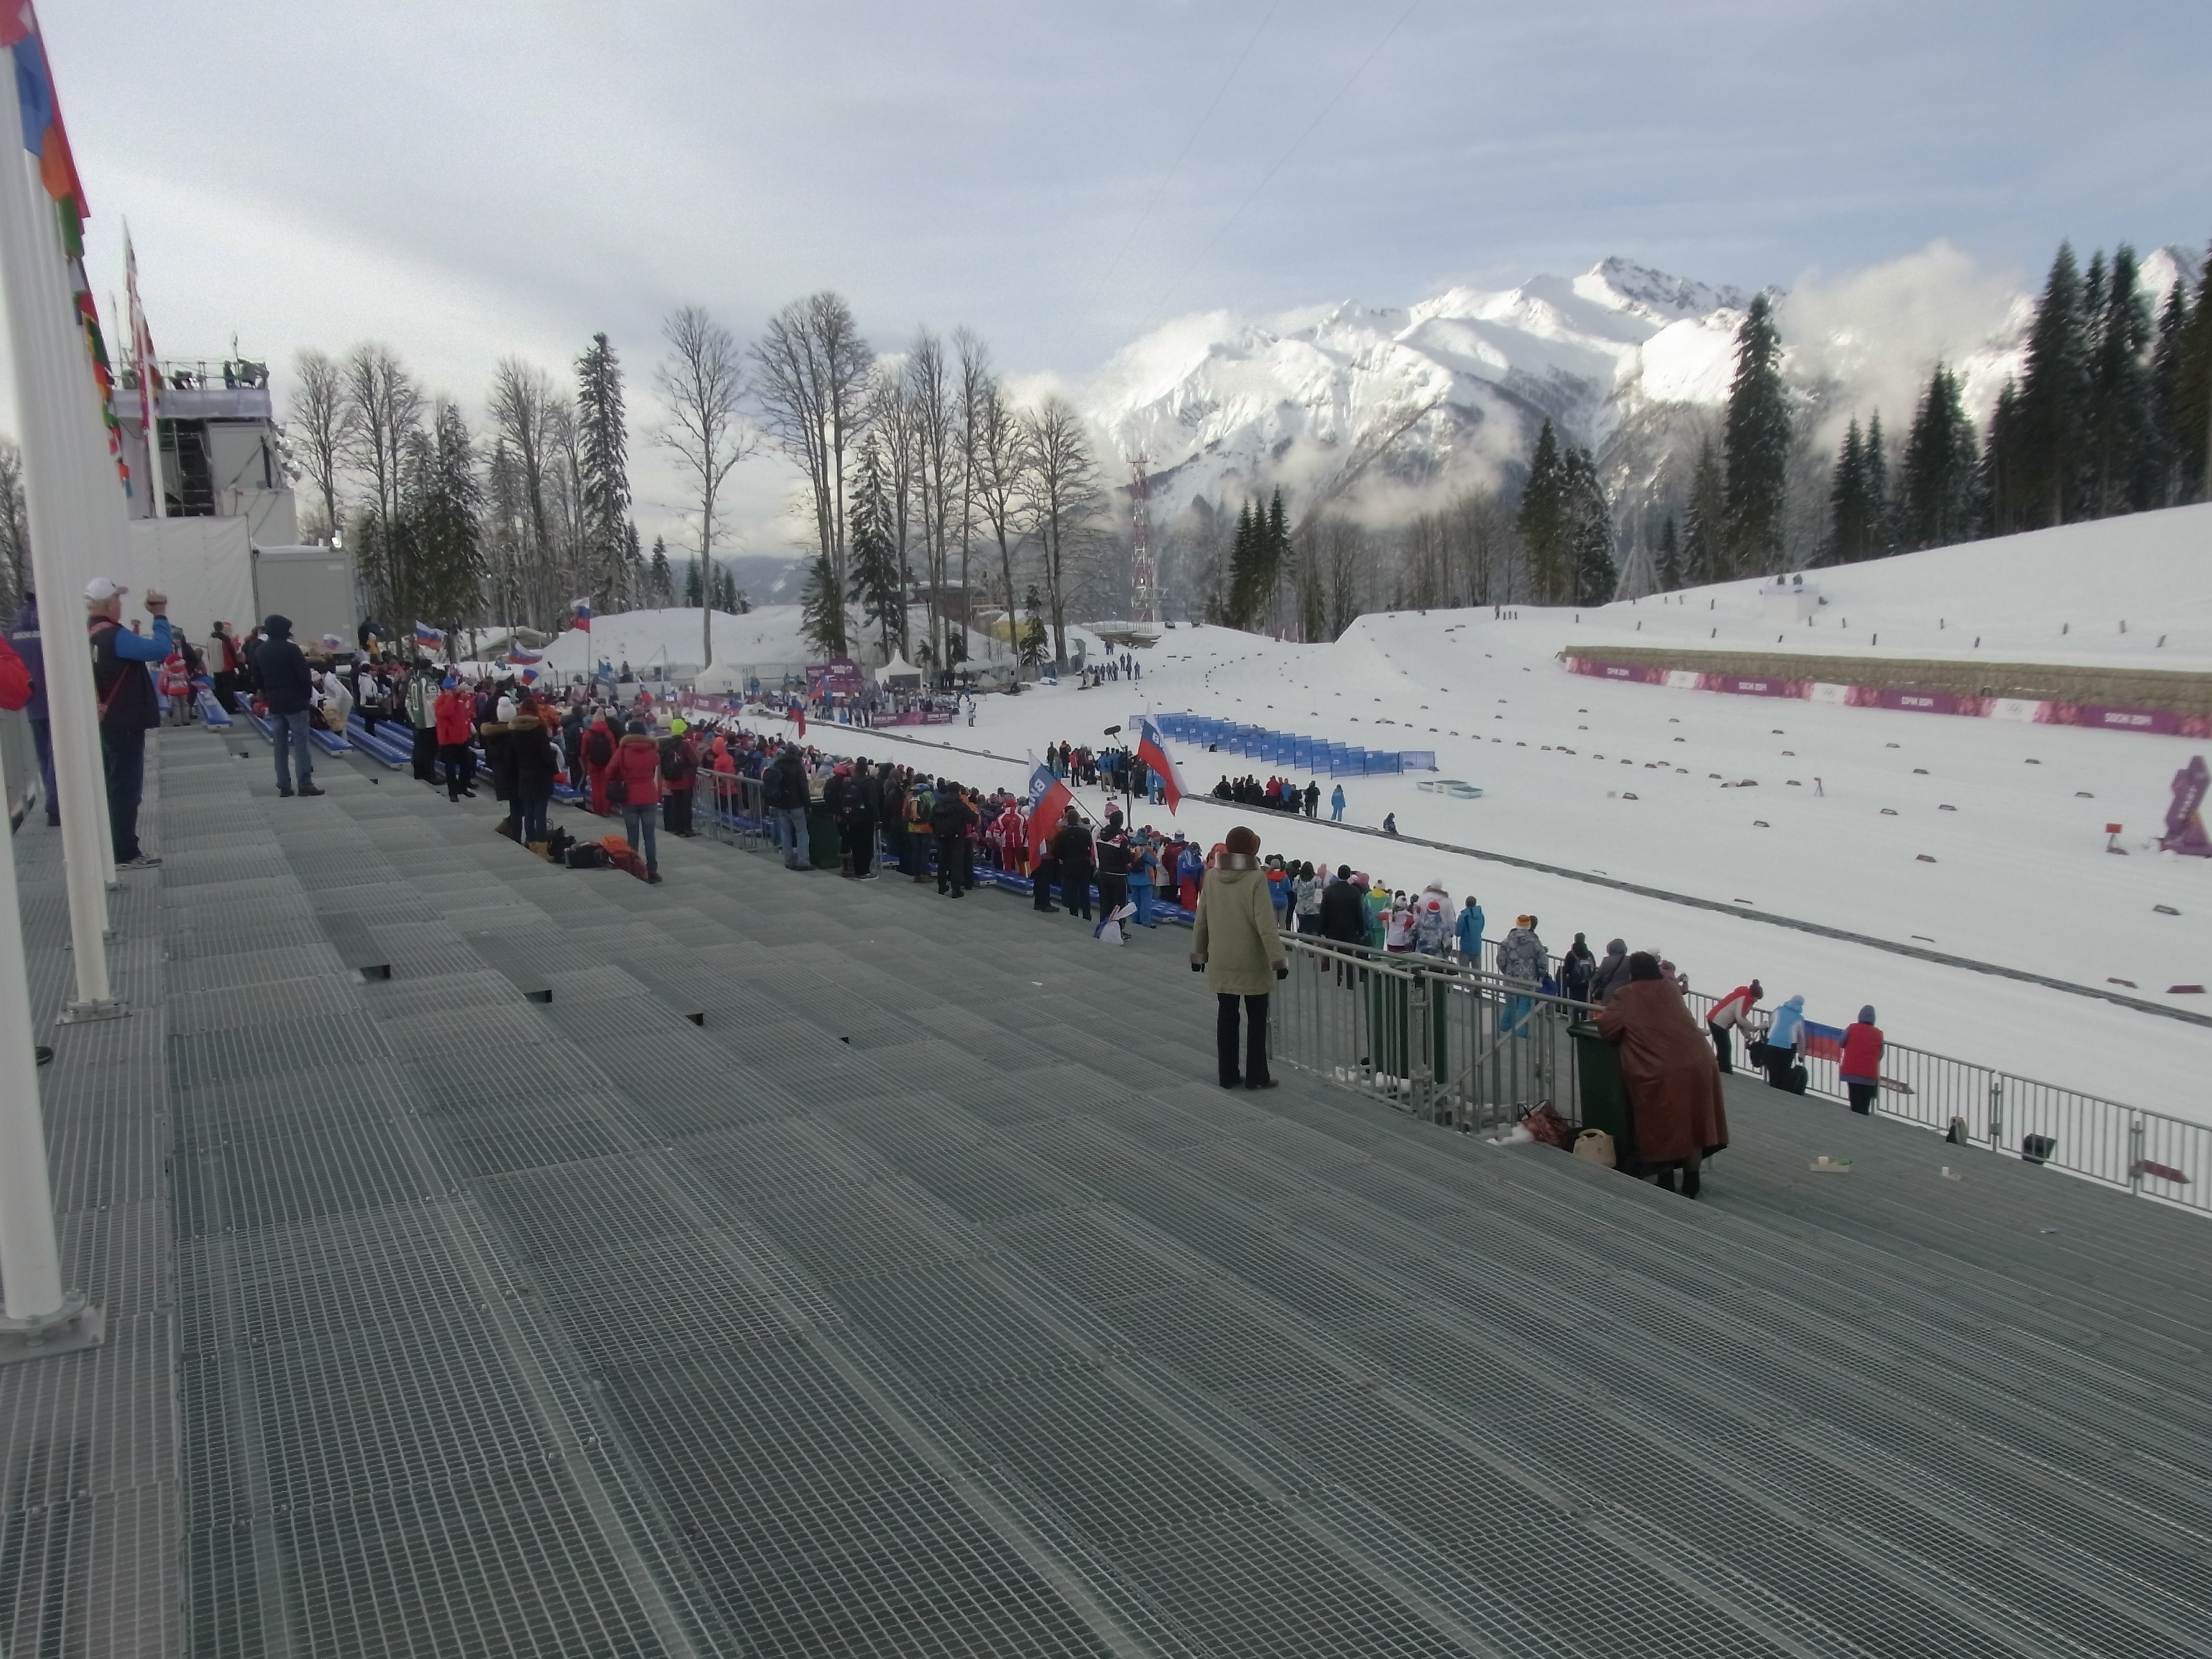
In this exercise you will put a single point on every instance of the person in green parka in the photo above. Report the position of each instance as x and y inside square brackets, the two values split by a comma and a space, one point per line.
[1238, 946]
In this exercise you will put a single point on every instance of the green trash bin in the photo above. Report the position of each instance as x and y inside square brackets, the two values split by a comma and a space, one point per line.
[1604, 1093]
[1390, 1025]
[825, 845]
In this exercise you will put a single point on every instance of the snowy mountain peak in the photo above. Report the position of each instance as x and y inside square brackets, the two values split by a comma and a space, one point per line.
[1654, 294]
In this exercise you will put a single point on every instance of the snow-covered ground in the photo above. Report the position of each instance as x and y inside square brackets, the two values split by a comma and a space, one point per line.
[2022, 876]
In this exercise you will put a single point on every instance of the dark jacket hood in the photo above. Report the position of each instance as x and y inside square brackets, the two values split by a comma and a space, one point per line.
[277, 628]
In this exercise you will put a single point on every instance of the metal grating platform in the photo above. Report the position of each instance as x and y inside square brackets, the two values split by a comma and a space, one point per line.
[926, 1299]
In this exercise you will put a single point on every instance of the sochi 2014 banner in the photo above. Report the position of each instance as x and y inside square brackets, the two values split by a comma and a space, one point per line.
[2162, 722]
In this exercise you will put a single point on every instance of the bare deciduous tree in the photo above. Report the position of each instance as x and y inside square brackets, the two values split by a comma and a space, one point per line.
[994, 446]
[385, 405]
[701, 381]
[1062, 490]
[929, 399]
[320, 427]
[890, 414]
[813, 374]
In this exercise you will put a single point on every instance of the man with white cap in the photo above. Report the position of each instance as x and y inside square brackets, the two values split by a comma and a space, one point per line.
[128, 709]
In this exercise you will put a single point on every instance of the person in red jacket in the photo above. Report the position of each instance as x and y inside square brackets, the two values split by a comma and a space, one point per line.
[599, 741]
[455, 712]
[637, 766]
[1730, 1011]
[1861, 1067]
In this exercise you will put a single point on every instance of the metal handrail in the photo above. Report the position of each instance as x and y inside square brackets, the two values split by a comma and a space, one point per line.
[1442, 1041]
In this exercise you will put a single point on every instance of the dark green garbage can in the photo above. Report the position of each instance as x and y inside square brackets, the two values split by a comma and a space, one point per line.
[1390, 1025]
[1604, 1103]
[825, 843]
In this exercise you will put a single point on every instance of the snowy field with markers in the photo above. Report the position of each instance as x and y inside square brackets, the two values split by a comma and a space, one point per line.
[1716, 796]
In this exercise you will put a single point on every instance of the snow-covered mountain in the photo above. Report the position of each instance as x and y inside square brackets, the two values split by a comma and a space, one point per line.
[1377, 407]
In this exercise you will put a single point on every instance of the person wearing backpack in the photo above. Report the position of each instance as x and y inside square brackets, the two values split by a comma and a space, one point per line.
[537, 759]
[422, 718]
[950, 818]
[679, 771]
[786, 794]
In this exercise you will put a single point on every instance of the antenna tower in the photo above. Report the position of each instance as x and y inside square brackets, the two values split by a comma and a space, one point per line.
[1140, 511]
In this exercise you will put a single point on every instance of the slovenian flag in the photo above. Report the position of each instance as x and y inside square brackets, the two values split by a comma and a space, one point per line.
[426, 635]
[583, 610]
[1823, 1041]
[1047, 799]
[1152, 750]
[520, 654]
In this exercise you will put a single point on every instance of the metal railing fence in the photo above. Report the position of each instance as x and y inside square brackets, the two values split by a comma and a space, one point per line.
[730, 809]
[1463, 1045]
[1453, 1045]
[2103, 1140]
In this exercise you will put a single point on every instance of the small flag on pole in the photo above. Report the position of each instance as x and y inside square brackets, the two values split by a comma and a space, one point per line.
[520, 654]
[1049, 798]
[1152, 750]
[427, 635]
[583, 610]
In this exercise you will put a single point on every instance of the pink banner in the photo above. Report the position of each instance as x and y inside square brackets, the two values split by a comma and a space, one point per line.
[2159, 722]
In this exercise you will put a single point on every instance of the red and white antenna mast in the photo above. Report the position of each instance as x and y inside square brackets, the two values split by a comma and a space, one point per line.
[1141, 514]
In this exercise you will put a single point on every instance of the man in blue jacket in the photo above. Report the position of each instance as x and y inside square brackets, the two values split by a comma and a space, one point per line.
[128, 709]
[281, 669]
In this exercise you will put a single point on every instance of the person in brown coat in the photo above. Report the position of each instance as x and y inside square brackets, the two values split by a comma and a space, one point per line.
[1238, 944]
[1673, 1080]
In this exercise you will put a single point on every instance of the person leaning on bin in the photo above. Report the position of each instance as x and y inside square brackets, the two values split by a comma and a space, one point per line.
[1673, 1079]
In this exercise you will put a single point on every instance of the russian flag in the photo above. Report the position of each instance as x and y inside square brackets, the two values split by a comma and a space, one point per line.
[583, 610]
[1823, 1041]
[530, 676]
[1049, 798]
[520, 654]
[426, 635]
[1152, 750]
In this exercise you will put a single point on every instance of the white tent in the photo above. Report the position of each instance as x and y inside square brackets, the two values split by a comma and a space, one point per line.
[899, 671]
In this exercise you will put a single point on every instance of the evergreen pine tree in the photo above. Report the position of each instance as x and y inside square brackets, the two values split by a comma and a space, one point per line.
[2166, 392]
[2192, 416]
[1589, 531]
[1938, 498]
[1275, 559]
[875, 587]
[1544, 523]
[2005, 483]
[2043, 477]
[2120, 461]
[1755, 444]
[1245, 554]
[1881, 508]
[1705, 556]
[660, 581]
[1849, 531]
[1035, 642]
[695, 586]
[821, 617]
[1670, 557]
[603, 468]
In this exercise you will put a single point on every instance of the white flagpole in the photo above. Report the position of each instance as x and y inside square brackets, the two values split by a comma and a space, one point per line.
[141, 358]
[54, 399]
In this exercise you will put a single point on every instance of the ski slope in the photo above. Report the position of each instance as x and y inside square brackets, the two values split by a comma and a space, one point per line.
[2021, 877]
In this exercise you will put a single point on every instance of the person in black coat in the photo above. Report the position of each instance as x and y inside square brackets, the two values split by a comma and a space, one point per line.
[1343, 909]
[536, 759]
[1112, 867]
[949, 821]
[1071, 847]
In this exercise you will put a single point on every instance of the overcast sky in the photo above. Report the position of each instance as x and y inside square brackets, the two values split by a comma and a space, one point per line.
[472, 177]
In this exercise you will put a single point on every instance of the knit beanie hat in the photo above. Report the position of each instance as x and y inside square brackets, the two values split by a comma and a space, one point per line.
[1866, 1015]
